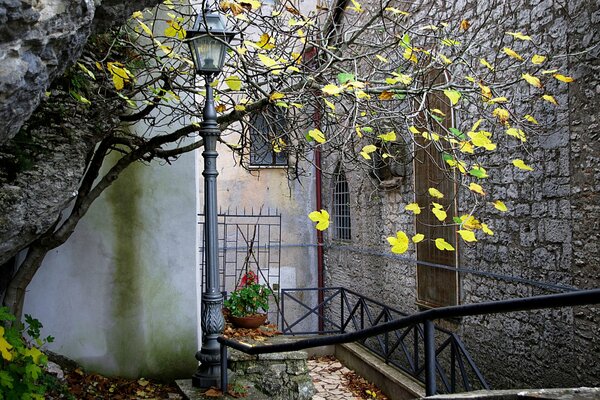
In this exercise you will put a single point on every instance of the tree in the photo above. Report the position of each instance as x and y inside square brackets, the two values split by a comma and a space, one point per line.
[357, 81]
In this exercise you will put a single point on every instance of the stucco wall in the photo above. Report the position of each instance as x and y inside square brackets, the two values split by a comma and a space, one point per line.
[547, 235]
[120, 295]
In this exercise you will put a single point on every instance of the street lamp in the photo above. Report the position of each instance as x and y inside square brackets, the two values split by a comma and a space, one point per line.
[208, 43]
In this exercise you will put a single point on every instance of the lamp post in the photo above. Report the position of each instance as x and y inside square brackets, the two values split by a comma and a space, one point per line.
[208, 43]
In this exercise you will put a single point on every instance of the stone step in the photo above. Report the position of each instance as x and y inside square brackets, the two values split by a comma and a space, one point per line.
[396, 384]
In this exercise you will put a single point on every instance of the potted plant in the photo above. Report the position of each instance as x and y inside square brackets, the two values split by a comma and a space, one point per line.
[248, 304]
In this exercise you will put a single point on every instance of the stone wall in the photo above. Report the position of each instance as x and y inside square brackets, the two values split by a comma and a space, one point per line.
[549, 233]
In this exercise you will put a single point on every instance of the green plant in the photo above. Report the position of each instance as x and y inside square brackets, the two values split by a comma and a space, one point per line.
[249, 299]
[21, 363]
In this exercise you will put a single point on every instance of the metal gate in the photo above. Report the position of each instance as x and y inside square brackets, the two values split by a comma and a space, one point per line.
[248, 241]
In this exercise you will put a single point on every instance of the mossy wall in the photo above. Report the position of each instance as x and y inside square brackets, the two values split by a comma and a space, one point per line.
[120, 295]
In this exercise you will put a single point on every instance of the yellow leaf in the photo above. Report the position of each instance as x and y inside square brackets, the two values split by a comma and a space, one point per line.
[467, 236]
[276, 96]
[438, 111]
[317, 135]
[537, 59]
[361, 94]
[175, 30]
[433, 192]
[410, 55]
[233, 82]
[329, 104]
[332, 89]
[444, 59]
[137, 14]
[437, 206]
[563, 78]
[518, 133]
[467, 147]
[321, 218]
[519, 35]
[418, 238]
[5, 346]
[239, 107]
[468, 221]
[550, 99]
[145, 27]
[414, 207]
[402, 78]
[511, 53]
[220, 108]
[273, 65]
[482, 139]
[381, 58]
[120, 74]
[499, 205]
[486, 92]
[521, 165]
[399, 243]
[530, 119]
[484, 62]
[496, 100]
[476, 125]
[396, 11]
[356, 6]
[464, 24]
[439, 214]
[367, 150]
[453, 95]
[476, 188]
[413, 130]
[441, 244]
[487, 230]
[549, 71]
[388, 137]
[532, 80]
[457, 164]
[502, 114]
[431, 136]
[266, 42]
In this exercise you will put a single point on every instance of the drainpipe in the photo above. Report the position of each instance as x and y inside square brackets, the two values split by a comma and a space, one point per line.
[320, 272]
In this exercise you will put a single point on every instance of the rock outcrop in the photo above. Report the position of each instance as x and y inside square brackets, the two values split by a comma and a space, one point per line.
[38, 40]
[44, 145]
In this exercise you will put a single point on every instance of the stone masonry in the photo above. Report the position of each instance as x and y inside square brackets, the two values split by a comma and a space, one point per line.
[549, 234]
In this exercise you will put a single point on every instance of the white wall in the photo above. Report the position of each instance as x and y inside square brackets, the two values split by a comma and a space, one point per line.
[120, 295]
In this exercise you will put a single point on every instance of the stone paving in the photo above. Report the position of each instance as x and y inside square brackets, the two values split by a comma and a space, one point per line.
[328, 378]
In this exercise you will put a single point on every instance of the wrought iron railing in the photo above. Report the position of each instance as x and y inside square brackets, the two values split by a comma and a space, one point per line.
[577, 298]
[349, 311]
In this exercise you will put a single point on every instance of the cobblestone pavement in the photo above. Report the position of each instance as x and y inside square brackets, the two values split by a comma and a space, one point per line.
[327, 376]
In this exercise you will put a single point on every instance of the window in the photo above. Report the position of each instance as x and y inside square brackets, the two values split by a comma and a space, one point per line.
[268, 138]
[341, 206]
[435, 286]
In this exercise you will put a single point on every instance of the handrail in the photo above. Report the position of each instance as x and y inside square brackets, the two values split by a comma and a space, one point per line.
[570, 299]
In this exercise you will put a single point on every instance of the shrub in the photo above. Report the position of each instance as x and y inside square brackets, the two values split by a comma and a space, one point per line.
[22, 375]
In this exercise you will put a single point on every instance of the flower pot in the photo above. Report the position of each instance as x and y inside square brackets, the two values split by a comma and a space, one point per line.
[248, 322]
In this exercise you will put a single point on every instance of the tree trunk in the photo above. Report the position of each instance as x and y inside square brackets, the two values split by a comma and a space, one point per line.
[15, 293]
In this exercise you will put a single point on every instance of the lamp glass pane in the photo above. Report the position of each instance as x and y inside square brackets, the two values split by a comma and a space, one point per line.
[209, 54]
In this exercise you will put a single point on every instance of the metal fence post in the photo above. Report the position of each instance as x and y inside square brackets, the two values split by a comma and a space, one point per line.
[224, 369]
[429, 344]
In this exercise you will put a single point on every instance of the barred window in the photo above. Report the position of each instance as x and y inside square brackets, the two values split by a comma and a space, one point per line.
[341, 206]
[268, 138]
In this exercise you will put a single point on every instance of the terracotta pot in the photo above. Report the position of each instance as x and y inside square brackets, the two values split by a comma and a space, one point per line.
[248, 322]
